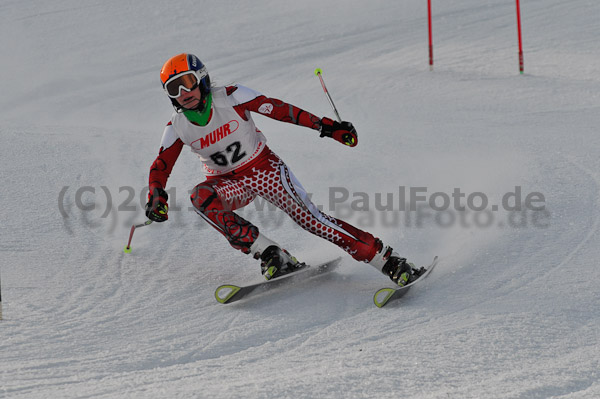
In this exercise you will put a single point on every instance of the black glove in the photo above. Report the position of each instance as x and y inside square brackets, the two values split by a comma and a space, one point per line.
[343, 132]
[157, 207]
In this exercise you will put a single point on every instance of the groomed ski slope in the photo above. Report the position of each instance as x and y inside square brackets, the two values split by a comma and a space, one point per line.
[511, 311]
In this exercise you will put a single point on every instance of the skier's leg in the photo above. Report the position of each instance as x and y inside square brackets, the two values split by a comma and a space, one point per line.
[278, 185]
[215, 199]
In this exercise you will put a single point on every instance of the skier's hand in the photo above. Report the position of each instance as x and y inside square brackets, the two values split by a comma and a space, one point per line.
[343, 132]
[157, 207]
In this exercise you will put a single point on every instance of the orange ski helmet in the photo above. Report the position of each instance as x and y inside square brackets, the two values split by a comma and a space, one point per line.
[185, 72]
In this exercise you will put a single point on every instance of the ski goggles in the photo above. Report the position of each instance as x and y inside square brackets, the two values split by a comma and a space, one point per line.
[187, 81]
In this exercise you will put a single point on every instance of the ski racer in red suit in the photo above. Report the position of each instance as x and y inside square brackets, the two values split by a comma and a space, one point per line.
[216, 123]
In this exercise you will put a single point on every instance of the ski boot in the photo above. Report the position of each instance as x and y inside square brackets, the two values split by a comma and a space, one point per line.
[274, 261]
[277, 262]
[399, 270]
[394, 266]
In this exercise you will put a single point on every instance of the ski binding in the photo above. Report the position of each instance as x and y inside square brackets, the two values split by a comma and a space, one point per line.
[386, 295]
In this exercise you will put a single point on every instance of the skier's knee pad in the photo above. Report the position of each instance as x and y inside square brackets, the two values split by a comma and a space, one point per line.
[203, 196]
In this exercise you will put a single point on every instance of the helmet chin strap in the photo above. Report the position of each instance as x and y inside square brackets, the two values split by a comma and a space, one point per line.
[198, 116]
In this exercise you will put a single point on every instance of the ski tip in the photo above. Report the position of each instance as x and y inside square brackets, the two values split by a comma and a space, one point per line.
[318, 71]
[382, 296]
[225, 292]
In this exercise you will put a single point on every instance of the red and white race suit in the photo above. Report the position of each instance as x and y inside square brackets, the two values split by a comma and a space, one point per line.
[239, 166]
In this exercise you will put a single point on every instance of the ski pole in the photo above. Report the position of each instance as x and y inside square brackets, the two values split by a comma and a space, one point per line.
[135, 226]
[319, 73]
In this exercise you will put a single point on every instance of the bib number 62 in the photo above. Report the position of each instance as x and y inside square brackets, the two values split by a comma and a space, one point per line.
[233, 152]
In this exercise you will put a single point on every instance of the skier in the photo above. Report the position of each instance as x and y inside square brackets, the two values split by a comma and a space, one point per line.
[216, 123]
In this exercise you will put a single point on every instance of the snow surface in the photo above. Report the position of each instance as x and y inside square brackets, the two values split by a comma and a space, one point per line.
[513, 309]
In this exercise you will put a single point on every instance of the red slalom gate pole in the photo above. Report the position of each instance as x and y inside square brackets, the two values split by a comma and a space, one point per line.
[521, 61]
[0, 299]
[431, 35]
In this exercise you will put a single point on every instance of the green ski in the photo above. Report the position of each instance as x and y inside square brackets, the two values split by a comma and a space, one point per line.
[386, 295]
[229, 293]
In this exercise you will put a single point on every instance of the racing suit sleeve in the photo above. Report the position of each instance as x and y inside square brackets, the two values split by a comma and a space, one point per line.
[247, 100]
[162, 166]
